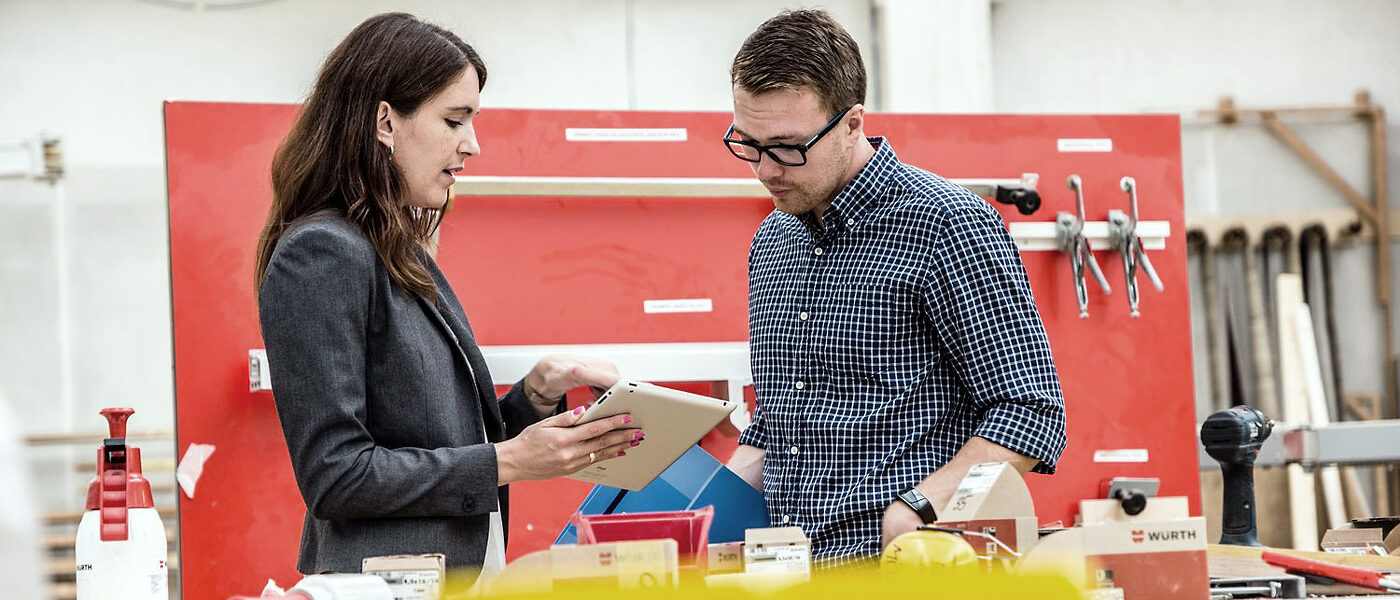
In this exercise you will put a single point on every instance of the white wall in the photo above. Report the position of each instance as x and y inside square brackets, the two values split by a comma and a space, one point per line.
[1183, 56]
[94, 73]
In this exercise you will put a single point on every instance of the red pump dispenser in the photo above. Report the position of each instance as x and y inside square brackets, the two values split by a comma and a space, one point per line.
[119, 484]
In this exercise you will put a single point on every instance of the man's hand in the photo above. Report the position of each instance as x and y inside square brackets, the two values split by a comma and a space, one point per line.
[556, 374]
[899, 519]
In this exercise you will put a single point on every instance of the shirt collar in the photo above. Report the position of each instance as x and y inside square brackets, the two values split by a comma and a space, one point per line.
[861, 196]
[864, 193]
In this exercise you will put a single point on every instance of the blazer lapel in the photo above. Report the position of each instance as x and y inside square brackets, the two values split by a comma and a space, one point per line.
[465, 343]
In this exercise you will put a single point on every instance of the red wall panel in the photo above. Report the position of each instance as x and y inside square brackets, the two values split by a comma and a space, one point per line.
[575, 271]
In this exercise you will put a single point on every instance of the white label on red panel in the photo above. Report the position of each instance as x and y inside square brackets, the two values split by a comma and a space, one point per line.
[624, 134]
[1123, 455]
[684, 305]
[1084, 144]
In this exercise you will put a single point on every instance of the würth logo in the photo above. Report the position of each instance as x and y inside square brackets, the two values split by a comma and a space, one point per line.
[1180, 535]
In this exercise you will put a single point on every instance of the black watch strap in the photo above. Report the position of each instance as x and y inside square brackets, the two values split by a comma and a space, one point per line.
[917, 501]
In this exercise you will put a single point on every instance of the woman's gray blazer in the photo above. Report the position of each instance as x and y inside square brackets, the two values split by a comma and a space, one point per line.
[385, 403]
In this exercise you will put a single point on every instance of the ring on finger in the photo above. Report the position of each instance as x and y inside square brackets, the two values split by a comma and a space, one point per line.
[592, 457]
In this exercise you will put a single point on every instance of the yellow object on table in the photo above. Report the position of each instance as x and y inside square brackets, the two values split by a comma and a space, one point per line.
[927, 551]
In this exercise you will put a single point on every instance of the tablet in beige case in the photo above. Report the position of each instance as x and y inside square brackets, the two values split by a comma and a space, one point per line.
[673, 421]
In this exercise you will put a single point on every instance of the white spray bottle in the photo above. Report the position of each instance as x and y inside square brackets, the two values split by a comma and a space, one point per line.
[121, 549]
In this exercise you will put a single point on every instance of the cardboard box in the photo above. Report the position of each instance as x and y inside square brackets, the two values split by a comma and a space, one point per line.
[1019, 534]
[1151, 560]
[989, 491]
[622, 565]
[777, 550]
[1347, 540]
[726, 557]
[993, 499]
[1158, 553]
[628, 565]
[410, 576]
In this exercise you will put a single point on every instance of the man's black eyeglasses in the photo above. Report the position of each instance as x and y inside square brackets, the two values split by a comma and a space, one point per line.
[788, 155]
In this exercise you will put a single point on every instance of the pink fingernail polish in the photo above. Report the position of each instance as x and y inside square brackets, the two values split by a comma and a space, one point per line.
[627, 419]
[578, 411]
[639, 435]
[636, 443]
[622, 453]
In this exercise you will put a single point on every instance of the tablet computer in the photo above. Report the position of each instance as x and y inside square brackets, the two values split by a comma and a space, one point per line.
[673, 421]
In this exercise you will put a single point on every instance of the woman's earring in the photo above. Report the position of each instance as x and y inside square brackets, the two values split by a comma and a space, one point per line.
[391, 151]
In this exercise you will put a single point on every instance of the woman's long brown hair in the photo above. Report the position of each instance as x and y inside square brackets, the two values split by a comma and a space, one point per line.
[332, 159]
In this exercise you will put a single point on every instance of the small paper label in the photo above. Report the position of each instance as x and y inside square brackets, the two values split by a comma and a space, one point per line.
[795, 558]
[1363, 550]
[623, 134]
[1084, 144]
[411, 585]
[979, 479]
[1124, 455]
[685, 305]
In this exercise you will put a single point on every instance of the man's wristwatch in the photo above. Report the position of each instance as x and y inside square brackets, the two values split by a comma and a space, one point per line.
[917, 501]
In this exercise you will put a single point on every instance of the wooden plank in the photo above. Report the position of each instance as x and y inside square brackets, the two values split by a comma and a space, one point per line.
[67, 541]
[63, 591]
[1365, 406]
[1242, 561]
[60, 567]
[1301, 494]
[153, 466]
[1355, 198]
[1305, 344]
[94, 437]
[75, 516]
[1380, 189]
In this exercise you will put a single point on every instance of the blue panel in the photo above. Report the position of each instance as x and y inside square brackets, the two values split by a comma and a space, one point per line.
[695, 480]
[737, 507]
[689, 474]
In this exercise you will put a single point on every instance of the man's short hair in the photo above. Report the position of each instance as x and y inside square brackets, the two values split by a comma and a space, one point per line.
[802, 48]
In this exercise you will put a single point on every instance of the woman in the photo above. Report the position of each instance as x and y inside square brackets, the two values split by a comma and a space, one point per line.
[397, 441]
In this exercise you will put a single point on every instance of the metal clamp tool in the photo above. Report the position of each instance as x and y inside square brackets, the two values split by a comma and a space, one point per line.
[1069, 233]
[1021, 194]
[1123, 237]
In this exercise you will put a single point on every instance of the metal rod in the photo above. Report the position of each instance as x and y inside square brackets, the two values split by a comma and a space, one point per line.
[667, 187]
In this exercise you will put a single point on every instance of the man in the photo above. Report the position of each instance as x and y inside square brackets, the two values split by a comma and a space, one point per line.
[893, 335]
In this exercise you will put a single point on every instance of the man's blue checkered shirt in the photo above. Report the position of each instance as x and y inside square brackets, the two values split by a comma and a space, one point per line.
[882, 343]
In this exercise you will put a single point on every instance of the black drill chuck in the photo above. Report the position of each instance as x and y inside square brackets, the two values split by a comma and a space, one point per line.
[1233, 437]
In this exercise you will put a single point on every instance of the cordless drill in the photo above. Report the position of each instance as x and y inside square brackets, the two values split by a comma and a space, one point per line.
[1233, 437]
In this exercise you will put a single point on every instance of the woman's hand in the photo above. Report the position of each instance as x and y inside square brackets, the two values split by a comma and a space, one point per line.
[556, 374]
[554, 447]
